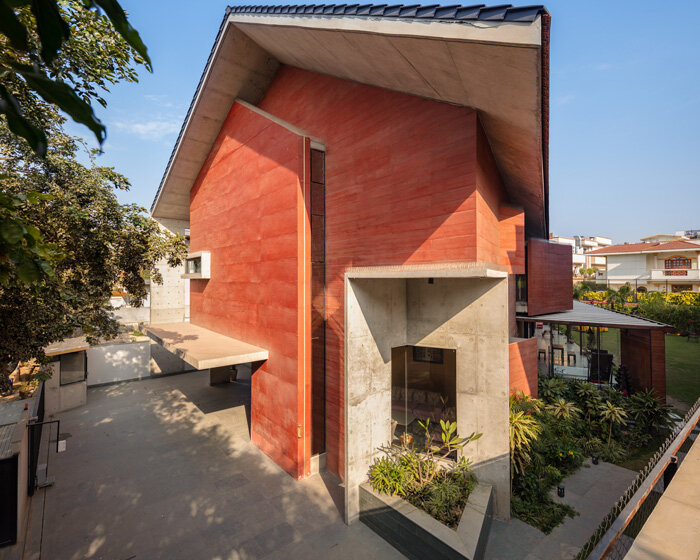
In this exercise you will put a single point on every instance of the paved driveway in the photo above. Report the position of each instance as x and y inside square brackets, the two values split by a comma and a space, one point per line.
[163, 468]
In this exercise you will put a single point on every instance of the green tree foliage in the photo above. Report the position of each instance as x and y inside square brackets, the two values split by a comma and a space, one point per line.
[101, 243]
[65, 241]
[55, 55]
[64, 53]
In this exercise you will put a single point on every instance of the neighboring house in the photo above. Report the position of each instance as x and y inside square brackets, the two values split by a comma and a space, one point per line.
[361, 184]
[581, 247]
[666, 266]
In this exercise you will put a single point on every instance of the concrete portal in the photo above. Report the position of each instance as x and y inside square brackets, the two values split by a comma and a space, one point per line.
[466, 314]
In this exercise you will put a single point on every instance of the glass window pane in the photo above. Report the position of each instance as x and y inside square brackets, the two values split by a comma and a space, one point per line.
[72, 368]
[424, 387]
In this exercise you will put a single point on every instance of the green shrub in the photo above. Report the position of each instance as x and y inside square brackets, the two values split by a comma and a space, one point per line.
[390, 475]
[545, 514]
[649, 415]
[425, 477]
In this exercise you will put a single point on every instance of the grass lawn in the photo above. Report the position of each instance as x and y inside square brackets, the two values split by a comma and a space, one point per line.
[682, 369]
[639, 458]
[682, 363]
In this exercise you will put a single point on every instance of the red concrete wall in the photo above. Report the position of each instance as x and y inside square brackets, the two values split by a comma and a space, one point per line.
[549, 278]
[644, 354]
[522, 364]
[247, 208]
[511, 233]
[402, 175]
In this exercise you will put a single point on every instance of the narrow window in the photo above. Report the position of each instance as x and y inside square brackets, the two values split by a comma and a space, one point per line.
[318, 302]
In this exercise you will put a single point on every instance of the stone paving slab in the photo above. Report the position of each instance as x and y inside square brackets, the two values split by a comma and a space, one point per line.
[592, 491]
[148, 475]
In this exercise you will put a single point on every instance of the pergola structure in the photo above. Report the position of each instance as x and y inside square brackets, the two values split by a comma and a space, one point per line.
[642, 345]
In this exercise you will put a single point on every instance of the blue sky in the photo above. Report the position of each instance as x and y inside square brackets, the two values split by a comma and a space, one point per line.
[624, 122]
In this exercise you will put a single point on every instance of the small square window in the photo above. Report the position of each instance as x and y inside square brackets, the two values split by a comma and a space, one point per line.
[198, 265]
[72, 367]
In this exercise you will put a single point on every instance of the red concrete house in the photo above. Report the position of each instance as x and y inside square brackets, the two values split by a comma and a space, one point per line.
[364, 185]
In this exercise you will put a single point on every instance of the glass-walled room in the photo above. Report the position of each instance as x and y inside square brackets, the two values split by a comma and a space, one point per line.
[423, 386]
[588, 353]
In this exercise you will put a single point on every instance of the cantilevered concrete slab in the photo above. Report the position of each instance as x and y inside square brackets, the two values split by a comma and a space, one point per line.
[67, 346]
[202, 348]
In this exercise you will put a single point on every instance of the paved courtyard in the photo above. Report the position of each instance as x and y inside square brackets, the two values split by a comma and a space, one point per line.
[592, 491]
[163, 468]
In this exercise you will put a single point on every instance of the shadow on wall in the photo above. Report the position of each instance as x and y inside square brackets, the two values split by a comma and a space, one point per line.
[110, 363]
[164, 362]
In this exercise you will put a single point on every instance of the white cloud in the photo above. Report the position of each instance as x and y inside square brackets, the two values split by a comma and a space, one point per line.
[603, 66]
[565, 99]
[161, 100]
[149, 130]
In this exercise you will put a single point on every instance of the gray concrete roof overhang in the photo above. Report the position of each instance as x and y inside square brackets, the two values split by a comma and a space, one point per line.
[495, 67]
[594, 316]
[202, 348]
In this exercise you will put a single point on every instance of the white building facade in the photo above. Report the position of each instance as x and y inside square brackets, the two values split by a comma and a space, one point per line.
[581, 246]
[666, 266]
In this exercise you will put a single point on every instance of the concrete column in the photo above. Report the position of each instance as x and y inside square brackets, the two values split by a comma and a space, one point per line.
[220, 375]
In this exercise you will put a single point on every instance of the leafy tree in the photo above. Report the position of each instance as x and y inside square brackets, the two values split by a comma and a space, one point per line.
[65, 241]
[101, 243]
[62, 52]
[563, 409]
[55, 54]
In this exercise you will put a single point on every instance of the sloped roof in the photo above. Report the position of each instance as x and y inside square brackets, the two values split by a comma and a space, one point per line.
[646, 248]
[594, 316]
[455, 12]
[493, 59]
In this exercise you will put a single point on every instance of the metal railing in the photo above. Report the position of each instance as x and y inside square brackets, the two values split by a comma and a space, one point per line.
[35, 429]
[627, 530]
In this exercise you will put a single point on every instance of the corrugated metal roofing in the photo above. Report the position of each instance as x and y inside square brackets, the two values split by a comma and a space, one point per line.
[647, 247]
[592, 315]
[455, 12]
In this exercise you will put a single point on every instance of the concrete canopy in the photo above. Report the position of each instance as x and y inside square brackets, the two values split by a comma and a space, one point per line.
[202, 348]
[495, 67]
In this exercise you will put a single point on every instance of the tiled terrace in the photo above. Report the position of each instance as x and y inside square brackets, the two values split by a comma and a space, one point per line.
[163, 468]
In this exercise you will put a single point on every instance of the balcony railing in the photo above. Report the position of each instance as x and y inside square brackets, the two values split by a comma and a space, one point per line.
[675, 274]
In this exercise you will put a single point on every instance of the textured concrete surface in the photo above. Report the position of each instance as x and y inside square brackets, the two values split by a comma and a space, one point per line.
[163, 468]
[590, 491]
[203, 348]
[468, 315]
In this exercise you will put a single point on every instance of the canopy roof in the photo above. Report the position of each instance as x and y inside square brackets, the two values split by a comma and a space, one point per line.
[594, 316]
[202, 348]
[492, 59]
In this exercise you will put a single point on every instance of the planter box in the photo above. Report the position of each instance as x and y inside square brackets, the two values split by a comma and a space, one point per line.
[418, 536]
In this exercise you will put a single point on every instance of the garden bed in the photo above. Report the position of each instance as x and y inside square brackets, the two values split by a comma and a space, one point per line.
[418, 536]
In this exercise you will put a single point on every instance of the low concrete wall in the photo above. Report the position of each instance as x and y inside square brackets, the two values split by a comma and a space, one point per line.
[109, 363]
[418, 536]
[62, 397]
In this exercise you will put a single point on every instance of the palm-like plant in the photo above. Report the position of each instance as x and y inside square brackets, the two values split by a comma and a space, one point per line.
[647, 412]
[551, 388]
[519, 401]
[524, 429]
[589, 398]
[613, 415]
[563, 409]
